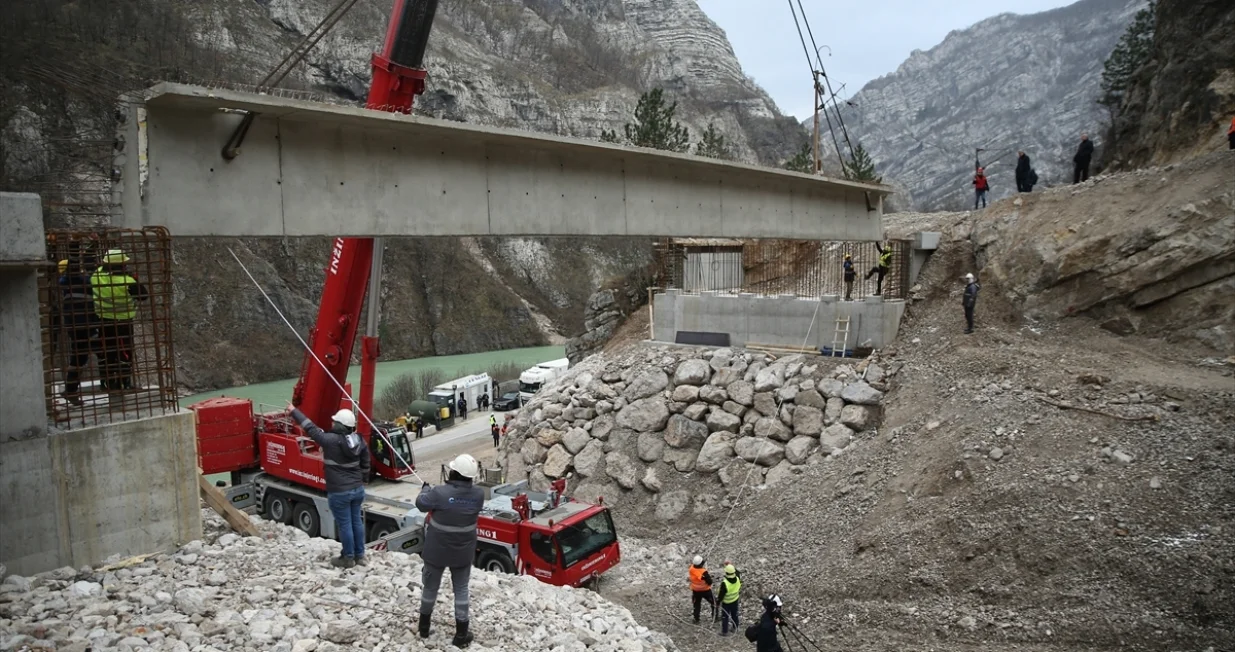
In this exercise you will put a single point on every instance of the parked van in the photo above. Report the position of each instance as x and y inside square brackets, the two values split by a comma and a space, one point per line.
[471, 387]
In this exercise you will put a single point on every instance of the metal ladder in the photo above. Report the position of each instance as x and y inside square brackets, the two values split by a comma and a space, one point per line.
[840, 338]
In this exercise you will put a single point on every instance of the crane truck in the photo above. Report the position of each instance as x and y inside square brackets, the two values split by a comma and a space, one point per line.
[279, 470]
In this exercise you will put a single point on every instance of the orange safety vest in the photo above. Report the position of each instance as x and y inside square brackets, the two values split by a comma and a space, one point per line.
[696, 579]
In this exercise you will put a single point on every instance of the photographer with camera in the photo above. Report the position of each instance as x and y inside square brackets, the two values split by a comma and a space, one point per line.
[764, 633]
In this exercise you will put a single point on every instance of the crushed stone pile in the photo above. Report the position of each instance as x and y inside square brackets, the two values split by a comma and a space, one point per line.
[279, 594]
[684, 429]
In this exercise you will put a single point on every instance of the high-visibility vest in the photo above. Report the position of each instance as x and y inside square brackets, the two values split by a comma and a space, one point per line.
[885, 259]
[732, 587]
[111, 295]
[492, 420]
[696, 579]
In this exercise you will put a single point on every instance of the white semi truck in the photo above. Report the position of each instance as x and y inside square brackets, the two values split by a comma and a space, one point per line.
[533, 379]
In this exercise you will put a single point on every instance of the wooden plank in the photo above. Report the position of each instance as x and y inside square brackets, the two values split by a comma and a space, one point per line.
[218, 502]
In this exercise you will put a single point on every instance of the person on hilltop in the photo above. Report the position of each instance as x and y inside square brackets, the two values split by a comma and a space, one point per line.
[700, 587]
[1080, 170]
[450, 541]
[1023, 171]
[980, 186]
[969, 300]
[347, 466]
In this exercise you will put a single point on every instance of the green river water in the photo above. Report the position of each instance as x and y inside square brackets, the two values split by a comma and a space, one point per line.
[278, 392]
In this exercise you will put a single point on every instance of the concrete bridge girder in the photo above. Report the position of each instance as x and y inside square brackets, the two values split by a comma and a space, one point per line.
[313, 169]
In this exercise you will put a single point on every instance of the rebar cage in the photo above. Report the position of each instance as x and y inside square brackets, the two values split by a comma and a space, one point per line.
[805, 268]
[106, 304]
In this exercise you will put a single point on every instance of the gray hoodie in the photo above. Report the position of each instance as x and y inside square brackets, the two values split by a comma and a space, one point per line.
[345, 453]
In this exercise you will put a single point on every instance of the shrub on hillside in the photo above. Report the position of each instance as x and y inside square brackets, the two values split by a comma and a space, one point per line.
[414, 386]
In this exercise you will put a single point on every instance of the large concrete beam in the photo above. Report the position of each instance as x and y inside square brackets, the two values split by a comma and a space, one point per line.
[313, 169]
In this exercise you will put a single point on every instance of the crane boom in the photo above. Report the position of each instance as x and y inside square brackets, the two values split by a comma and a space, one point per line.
[354, 269]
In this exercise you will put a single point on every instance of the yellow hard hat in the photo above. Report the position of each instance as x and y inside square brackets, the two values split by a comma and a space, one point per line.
[62, 265]
[114, 257]
[730, 571]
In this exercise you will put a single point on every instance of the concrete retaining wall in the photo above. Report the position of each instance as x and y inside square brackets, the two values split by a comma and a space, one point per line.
[23, 408]
[75, 498]
[748, 318]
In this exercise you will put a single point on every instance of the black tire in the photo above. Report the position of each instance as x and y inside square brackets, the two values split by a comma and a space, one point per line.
[277, 508]
[495, 562]
[305, 518]
[380, 528]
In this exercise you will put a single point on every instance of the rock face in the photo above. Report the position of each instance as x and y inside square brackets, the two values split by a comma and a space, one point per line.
[914, 120]
[289, 598]
[678, 443]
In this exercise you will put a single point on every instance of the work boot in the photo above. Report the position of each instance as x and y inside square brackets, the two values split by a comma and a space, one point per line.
[72, 397]
[362, 561]
[969, 331]
[343, 562]
[462, 638]
[423, 625]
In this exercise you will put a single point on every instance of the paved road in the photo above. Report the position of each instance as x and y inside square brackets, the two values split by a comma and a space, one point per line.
[471, 436]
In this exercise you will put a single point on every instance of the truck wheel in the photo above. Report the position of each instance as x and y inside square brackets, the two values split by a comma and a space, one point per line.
[277, 508]
[381, 528]
[495, 562]
[306, 519]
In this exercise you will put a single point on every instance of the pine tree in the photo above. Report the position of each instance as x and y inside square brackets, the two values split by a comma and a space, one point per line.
[860, 166]
[654, 125]
[712, 144]
[1130, 53]
[803, 161]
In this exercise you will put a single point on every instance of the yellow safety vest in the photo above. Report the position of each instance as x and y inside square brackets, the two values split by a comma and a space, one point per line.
[492, 420]
[732, 587]
[111, 295]
[885, 259]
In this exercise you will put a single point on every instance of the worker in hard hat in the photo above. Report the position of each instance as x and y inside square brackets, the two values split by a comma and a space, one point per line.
[450, 541]
[729, 596]
[81, 325]
[764, 633]
[850, 275]
[347, 466]
[115, 293]
[700, 587]
[882, 266]
[969, 300]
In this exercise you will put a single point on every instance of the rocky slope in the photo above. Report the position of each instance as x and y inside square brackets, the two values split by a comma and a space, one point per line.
[570, 67]
[279, 593]
[1008, 82]
[1180, 104]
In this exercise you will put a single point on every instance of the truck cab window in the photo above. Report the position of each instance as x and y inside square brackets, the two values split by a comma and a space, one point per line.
[542, 546]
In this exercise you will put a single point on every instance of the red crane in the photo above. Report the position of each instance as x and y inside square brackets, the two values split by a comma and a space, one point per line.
[355, 266]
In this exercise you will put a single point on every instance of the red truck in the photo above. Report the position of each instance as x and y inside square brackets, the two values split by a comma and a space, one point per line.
[277, 468]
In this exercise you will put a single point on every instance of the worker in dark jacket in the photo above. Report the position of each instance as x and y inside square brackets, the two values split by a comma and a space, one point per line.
[115, 293]
[347, 465]
[850, 275]
[79, 321]
[701, 587]
[764, 633]
[881, 268]
[730, 598]
[1080, 168]
[450, 541]
[969, 300]
[1023, 171]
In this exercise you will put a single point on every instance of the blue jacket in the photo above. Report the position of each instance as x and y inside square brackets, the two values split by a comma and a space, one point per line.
[450, 530]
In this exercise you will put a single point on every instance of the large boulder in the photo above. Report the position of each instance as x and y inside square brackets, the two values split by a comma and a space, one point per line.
[716, 452]
[682, 432]
[557, 462]
[601, 427]
[644, 415]
[547, 436]
[652, 479]
[810, 398]
[590, 462]
[799, 448]
[781, 473]
[734, 408]
[720, 420]
[682, 459]
[787, 393]
[835, 437]
[649, 446]
[721, 358]
[859, 417]
[765, 404]
[807, 421]
[763, 452]
[712, 394]
[741, 392]
[696, 411]
[861, 394]
[726, 376]
[533, 453]
[686, 393]
[622, 469]
[647, 383]
[575, 439]
[692, 372]
[831, 387]
[831, 413]
[621, 439]
[772, 428]
[770, 379]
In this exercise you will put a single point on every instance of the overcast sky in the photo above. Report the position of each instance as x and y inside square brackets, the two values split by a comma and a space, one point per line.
[867, 38]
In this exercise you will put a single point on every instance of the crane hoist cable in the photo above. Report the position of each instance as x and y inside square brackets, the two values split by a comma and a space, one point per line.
[824, 74]
[814, 79]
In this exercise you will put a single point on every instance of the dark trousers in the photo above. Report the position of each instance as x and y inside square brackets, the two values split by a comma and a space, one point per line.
[117, 344]
[881, 271]
[729, 616]
[496, 436]
[697, 598]
[848, 289]
[979, 195]
[80, 346]
[1022, 186]
[968, 317]
[1080, 172]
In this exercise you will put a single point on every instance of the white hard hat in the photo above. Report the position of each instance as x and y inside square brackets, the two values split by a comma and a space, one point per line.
[698, 560]
[969, 276]
[465, 465]
[345, 417]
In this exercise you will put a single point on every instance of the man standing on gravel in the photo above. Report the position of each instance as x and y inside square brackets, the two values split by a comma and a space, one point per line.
[450, 541]
[969, 300]
[701, 587]
[730, 599]
[1084, 153]
[347, 465]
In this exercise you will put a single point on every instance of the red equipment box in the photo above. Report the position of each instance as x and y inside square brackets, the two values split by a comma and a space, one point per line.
[226, 440]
